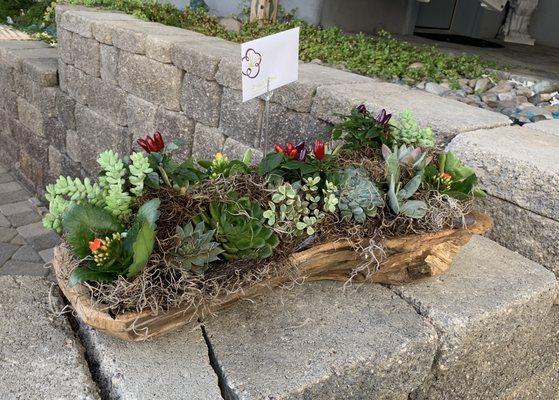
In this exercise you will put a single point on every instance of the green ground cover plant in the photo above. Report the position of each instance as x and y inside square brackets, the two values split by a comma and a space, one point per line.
[381, 55]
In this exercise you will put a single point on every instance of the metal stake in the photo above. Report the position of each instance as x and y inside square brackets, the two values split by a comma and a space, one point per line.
[267, 97]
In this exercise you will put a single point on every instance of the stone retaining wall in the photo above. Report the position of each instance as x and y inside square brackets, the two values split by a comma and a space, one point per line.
[118, 78]
[114, 78]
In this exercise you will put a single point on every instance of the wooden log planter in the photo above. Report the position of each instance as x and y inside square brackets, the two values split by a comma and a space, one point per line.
[408, 258]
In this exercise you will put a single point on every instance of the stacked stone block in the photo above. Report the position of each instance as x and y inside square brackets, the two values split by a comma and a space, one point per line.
[517, 167]
[30, 129]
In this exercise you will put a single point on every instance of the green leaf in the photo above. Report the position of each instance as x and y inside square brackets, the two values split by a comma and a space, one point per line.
[205, 163]
[148, 213]
[142, 248]
[83, 222]
[270, 162]
[293, 164]
[152, 180]
[84, 274]
[411, 187]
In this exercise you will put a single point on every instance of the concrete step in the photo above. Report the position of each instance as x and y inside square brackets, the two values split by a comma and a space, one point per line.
[176, 366]
[40, 358]
[469, 334]
[495, 315]
[486, 329]
[9, 33]
[518, 168]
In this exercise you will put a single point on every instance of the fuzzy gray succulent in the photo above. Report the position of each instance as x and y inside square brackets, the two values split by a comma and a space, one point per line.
[196, 248]
[412, 158]
[359, 196]
[399, 195]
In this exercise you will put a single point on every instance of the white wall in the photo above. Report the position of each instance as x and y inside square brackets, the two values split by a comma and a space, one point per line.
[309, 10]
[544, 25]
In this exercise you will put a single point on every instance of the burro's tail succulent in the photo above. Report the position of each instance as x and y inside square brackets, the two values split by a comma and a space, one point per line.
[359, 196]
[399, 195]
[239, 228]
[407, 131]
[196, 248]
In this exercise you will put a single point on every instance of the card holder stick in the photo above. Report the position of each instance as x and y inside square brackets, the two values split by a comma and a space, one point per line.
[266, 117]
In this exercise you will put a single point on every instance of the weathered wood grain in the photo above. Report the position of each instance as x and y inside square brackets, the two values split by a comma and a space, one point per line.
[408, 258]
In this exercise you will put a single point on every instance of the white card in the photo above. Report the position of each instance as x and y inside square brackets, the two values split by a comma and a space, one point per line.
[269, 63]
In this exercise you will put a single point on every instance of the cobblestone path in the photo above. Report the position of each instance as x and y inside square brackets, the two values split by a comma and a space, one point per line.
[25, 246]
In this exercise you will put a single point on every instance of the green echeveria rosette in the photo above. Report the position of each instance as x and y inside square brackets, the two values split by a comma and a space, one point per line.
[196, 249]
[239, 227]
[359, 196]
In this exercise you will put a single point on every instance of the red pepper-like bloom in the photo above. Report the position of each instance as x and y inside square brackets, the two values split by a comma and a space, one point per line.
[361, 108]
[318, 149]
[152, 145]
[298, 152]
[95, 244]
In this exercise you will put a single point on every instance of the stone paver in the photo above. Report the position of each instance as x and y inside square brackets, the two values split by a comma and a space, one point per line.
[175, 366]
[491, 311]
[25, 246]
[38, 237]
[9, 33]
[318, 342]
[27, 253]
[40, 357]
[549, 126]
[446, 117]
[516, 164]
[523, 231]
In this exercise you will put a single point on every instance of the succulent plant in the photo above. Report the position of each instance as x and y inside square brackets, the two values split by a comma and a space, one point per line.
[196, 248]
[139, 170]
[452, 178]
[239, 227]
[359, 196]
[330, 199]
[294, 207]
[117, 199]
[285, 207]
[407, 131]
[398, 196]
[65, 192]
[222, 167]
[413, 158]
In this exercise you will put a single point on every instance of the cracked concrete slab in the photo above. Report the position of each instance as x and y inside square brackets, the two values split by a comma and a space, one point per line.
[175, 366]
[40, 358]
[318, 342]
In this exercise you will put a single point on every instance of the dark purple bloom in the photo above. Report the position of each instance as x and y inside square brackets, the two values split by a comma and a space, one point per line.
[301, 151]
[382, 117]
[302, 155]
[362, 109]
